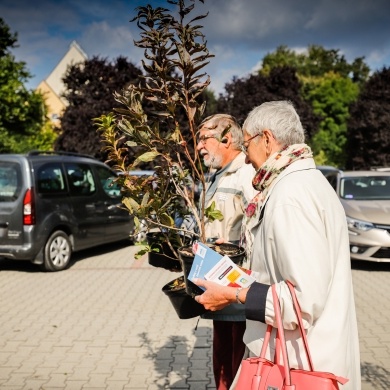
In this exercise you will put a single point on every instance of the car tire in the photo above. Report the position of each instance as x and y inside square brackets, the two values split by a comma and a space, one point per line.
[140, 237]
[57, 252]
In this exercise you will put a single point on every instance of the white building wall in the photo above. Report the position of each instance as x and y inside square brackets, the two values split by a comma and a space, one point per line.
[74, 55]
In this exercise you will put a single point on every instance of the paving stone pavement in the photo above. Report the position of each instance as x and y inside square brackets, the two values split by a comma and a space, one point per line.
[105, 324]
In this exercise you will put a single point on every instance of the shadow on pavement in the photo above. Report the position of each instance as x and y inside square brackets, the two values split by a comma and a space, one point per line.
[178, 365]
[376, 376]
[98, 250]
[18, 265]
[370, 266]
[27, 266]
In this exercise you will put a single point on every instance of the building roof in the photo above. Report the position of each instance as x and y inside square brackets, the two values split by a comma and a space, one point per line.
[53, 87]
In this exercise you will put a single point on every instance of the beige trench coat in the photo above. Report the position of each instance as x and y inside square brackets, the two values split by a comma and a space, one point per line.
[303, 238]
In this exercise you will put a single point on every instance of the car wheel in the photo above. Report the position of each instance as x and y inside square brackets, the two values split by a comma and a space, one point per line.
[140, 237]
[58, 251]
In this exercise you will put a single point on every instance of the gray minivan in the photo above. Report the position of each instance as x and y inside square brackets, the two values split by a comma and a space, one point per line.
[56, 203]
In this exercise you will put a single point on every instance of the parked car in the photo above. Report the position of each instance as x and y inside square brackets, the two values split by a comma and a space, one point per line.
[325, 169]
[381, 169]
[54, 204]
[365, 196]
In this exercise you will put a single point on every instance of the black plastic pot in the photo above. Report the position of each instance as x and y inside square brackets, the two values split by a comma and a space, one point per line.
[187, 257]
[165, 258]
[184, 305]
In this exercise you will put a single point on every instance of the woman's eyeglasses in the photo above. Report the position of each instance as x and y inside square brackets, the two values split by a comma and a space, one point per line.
[245, 144]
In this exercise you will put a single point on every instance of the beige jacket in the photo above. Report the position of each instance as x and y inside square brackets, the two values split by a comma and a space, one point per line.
[303, 237]
[231, 197]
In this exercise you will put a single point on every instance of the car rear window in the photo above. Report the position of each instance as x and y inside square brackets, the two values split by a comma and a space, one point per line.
[10, 181]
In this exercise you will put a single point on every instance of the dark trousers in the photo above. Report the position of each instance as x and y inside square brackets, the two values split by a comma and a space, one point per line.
[228, 351]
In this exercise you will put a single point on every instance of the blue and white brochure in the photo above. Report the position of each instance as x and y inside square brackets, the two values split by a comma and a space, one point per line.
[211, 265]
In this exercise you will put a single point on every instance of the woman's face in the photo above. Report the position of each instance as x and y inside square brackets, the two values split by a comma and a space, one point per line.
[256, 153]
[259, 148]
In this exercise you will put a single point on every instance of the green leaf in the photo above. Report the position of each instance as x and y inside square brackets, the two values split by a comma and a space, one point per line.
[143, 250]
[213, 214]
[166, 220]
[131, 204]
[147, 157]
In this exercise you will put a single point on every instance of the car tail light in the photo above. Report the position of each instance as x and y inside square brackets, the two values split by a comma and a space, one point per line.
[29, 208]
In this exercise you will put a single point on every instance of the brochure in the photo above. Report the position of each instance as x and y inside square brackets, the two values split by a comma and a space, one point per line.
[211, 265]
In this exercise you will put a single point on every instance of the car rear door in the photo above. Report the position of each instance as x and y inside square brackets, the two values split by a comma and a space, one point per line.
[12, 189]
[119, 223]
[89, 216]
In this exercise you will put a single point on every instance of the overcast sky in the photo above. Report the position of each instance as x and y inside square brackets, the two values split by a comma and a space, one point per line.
[239, 32]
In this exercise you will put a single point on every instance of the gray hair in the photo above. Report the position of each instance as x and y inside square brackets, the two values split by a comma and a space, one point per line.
[280, 118]
[219, 122]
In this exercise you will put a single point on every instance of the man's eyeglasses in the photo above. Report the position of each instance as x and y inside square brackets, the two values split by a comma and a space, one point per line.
[204, 138]
[245, 144]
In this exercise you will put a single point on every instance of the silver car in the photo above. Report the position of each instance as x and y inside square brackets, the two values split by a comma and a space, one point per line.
[365, 196]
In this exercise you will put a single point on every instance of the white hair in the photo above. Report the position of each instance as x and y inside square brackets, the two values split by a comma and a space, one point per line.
[280, 118]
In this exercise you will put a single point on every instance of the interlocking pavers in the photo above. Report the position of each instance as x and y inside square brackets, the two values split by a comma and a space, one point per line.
[105, 324]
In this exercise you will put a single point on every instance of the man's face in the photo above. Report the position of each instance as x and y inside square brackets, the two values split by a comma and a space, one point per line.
[209, 147]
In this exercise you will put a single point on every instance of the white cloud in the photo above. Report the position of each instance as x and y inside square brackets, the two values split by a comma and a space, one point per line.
[239, 33]
[105, 40]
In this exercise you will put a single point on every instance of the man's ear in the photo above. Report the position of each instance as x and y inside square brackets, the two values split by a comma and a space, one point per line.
[224, 141]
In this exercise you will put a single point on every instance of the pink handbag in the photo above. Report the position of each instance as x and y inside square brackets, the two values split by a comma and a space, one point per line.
[258, 373]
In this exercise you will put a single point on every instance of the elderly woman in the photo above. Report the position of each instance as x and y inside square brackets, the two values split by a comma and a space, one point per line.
[302, 237]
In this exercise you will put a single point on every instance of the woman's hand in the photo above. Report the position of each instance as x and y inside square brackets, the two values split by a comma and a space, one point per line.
[216, 297]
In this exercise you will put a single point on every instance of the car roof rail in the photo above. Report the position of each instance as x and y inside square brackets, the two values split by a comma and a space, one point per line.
[58, 153]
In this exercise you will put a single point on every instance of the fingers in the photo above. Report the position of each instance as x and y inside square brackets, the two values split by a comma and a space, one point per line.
[200, 299]
[199, 282]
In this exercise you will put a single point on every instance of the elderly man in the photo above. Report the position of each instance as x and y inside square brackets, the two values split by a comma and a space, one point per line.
[230, 188]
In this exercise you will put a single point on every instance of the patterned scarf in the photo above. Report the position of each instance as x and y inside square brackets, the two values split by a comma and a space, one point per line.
[277, 163]
[262, 181]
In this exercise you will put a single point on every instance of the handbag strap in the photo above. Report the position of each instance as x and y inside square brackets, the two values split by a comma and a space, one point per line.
[298, 312]
[282, 340]
[286, 364]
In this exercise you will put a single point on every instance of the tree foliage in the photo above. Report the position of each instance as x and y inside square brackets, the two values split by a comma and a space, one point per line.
[22, 112]
[316, 62]
[90, 88]
[368, 133]
[242, 95]
[8, 39]
[331, 97]
[330, 83]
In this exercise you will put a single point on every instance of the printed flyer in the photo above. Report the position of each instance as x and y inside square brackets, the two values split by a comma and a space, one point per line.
[211, 265]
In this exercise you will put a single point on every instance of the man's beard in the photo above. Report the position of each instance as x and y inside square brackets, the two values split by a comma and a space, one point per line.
[214, 161]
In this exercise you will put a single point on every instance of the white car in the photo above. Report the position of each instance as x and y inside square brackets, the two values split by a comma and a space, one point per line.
[365, 196]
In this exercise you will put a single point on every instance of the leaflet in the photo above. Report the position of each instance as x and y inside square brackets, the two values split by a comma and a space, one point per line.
[211, 265]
